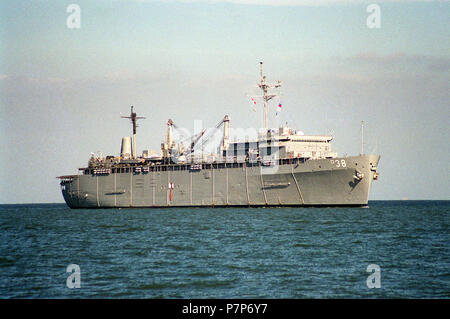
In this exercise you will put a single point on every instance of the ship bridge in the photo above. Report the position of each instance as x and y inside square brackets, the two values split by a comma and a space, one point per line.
[282, 143]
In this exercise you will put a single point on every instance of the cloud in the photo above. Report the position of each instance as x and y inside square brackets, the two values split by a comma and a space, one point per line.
[289, 2]
[400, 59]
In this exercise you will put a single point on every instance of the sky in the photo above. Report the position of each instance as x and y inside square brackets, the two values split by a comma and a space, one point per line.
[63, 90]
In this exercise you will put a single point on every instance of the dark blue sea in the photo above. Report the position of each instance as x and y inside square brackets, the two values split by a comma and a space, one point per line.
[226, 252]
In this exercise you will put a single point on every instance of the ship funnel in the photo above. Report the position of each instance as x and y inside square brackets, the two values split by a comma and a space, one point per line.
[226, 132]
[125, 150]
[170, 142]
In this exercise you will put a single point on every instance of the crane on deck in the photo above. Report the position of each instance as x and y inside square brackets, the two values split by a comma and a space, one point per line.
[202, 137]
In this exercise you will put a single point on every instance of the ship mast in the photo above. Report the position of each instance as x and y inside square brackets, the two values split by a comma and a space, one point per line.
[133, 118]
[266, 97]
[362, 137]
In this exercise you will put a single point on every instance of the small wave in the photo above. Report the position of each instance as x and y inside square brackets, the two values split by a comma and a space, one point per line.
[201, 274]
[5, 262]
[181, 247]
[32, 227]
[212, 283]
[237, 267]
[134, 229]
[144, 252]
[405, 236]
[301, 221]
[304, 245]
[161, 285]
[194, 284]
[163, 263]
[124, 228]
[108, 226]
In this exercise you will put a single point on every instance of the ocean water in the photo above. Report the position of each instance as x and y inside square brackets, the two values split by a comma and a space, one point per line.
[226, 253]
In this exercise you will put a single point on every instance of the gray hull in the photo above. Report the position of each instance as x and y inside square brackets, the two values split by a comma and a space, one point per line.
[320, 182]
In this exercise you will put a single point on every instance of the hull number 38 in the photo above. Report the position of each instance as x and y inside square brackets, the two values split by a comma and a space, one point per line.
[339, 163]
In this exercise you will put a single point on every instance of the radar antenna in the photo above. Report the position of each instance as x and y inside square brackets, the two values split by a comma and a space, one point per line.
[133, 118]
[266, 97]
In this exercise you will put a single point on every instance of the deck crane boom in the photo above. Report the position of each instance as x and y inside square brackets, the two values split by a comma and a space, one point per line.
[196, 138]
[225, 121]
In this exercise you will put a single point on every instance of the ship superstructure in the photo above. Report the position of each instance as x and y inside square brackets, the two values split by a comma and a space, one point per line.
[281, 167]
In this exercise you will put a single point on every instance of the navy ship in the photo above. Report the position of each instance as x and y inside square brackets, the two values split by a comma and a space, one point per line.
[281, 167]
